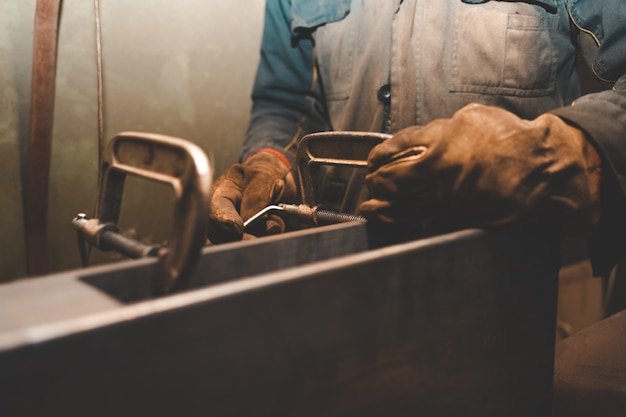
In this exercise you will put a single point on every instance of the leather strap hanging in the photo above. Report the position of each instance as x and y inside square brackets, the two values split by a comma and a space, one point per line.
[39, 146]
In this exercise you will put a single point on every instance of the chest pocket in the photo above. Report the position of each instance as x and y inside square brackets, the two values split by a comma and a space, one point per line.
[505, 48]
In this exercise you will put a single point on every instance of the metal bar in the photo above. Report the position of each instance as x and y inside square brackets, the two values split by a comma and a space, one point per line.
[220, 263]
[460, 324]
[261, 213]
[310, 215]
[40, 141]
[126, 246]
[107, 237]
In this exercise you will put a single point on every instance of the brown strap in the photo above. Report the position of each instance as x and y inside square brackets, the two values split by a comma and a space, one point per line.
[39, 146]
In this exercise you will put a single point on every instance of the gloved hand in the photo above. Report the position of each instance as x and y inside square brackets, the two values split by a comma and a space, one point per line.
[486, 167]
[244, 189]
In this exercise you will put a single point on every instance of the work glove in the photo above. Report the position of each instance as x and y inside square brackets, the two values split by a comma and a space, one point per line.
[244, 189]
[485, 167]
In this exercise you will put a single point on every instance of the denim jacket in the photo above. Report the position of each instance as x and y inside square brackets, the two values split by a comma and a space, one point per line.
[324, 61]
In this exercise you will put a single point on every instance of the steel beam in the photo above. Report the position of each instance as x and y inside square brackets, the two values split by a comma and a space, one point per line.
[312, 323]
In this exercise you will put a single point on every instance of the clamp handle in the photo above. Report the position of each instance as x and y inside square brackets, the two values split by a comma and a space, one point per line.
[165, 159]
[341, 148]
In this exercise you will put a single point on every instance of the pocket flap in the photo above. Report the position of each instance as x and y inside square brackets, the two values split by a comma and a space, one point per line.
[309, 14]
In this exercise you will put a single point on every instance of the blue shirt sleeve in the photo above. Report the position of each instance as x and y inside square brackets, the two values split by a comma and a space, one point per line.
[287, 98]
[602, 116]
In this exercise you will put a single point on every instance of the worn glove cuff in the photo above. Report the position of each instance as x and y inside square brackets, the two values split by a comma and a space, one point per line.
[286, 158]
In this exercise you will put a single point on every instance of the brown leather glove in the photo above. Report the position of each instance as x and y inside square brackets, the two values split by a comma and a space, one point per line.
[486, 167]
[264, 178]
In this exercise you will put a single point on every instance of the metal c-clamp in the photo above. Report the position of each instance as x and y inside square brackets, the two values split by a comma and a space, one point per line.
[179, 163]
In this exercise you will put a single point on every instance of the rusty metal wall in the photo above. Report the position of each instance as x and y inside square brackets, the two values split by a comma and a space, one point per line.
[181, 68]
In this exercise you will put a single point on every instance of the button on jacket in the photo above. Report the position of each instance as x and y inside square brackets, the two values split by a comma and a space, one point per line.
[323, 62]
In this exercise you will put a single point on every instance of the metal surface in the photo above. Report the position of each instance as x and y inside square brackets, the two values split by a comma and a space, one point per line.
[344, 149]
[165, 159]
[590, 371]
[312, 323]
[40, 141]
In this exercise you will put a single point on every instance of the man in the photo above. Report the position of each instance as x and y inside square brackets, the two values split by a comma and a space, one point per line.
[483, 98]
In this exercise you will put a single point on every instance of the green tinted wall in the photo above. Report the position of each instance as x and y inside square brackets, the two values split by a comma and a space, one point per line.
[182, 68]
